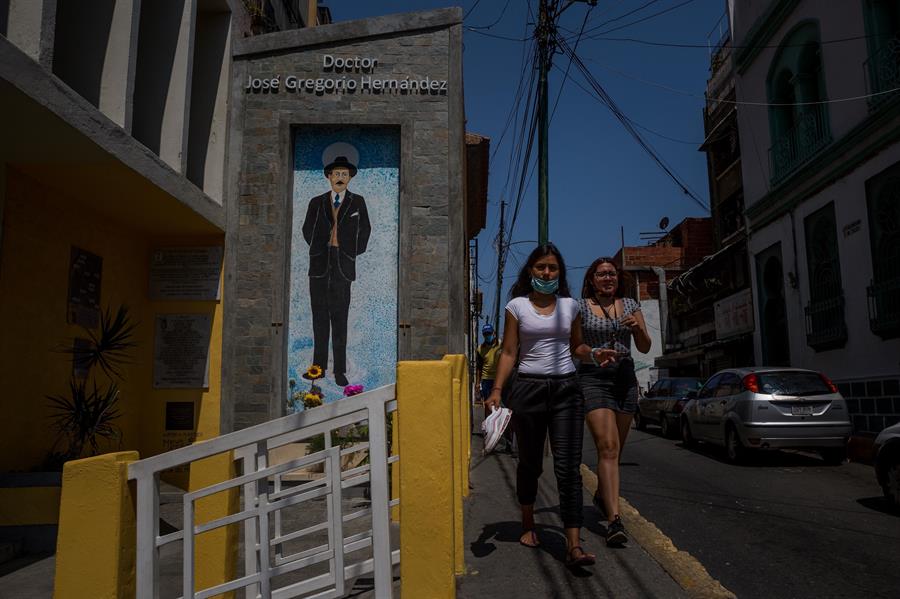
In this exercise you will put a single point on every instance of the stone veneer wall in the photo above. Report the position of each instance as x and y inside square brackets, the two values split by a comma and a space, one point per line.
[873, 404]
[431, 303]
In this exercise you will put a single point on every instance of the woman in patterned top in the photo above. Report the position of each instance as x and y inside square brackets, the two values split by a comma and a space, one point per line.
[610, 321]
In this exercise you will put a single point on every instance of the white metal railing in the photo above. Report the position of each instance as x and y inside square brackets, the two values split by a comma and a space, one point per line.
[266, 495]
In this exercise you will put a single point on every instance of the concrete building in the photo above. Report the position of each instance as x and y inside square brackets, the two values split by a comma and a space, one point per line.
[820, 174]
[651, 268]
[139, 168]
[710, 304]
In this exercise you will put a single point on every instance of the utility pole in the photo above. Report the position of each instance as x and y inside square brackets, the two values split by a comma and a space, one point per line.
[546, 32]
[499, 268]
[545, 56]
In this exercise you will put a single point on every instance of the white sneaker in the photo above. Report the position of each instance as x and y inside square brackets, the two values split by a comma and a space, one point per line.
[494, 426]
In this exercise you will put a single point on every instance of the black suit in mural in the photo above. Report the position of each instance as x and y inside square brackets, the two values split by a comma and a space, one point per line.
[333, 249]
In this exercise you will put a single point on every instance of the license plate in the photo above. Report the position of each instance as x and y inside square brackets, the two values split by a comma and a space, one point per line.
[801, 410]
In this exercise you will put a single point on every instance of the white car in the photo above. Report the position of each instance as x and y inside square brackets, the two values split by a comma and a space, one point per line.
[887, 462]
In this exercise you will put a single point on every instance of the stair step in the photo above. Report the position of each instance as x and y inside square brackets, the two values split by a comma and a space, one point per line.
[10, 550]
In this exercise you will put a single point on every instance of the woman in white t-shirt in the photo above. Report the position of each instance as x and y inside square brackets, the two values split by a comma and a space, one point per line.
[542, 329]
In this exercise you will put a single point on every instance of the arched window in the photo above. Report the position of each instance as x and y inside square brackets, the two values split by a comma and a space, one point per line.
[883, 37]
[798, 121]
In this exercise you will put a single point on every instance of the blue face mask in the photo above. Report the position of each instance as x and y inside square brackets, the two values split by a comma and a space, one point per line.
[545, 287]
[488, 338]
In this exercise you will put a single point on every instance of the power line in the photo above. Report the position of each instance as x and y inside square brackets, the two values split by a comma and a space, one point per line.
[502, 12]
[635, 22]
[739, 102]
[468, 12]
[706, 46]
[608, 101]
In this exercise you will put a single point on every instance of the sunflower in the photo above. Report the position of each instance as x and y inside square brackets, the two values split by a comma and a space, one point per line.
[311, 400]
[314, 372]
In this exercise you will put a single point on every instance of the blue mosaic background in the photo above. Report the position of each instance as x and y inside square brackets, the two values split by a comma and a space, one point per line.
[372, 323]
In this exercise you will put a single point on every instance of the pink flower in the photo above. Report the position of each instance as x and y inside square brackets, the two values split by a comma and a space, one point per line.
[351, 390]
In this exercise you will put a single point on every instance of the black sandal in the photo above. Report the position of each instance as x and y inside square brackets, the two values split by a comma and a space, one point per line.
[585, 559]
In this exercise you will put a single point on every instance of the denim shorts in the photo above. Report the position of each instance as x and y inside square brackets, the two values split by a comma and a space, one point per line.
[612, 387]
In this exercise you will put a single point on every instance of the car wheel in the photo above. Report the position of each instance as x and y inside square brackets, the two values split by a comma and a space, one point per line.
[734, 449]
[639, 422]
[834, 456]
[686, 437]
[892, 483]
[666, 426]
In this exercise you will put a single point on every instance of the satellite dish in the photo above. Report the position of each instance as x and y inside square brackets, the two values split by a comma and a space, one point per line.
[664, 223]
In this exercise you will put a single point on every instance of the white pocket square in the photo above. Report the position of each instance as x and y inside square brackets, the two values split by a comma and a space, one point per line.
[355, 214]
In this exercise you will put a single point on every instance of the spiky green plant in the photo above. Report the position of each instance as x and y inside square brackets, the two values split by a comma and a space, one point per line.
[87, 413]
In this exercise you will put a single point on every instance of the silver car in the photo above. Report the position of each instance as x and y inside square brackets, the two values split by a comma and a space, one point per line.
[769, 408]
[887, 462]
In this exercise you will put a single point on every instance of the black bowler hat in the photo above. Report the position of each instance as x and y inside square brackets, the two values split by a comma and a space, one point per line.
[340, 161]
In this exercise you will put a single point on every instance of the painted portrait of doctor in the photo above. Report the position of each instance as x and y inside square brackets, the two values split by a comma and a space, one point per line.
[337, 230]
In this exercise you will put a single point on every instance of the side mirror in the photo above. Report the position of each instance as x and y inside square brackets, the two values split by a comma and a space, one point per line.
[691, 395]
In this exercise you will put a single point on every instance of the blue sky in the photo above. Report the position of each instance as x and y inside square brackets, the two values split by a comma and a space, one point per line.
[600, 179]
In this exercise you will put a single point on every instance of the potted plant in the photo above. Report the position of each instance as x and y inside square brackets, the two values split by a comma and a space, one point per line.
[86, 414]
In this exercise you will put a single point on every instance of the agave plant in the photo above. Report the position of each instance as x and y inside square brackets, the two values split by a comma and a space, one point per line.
[87, 413]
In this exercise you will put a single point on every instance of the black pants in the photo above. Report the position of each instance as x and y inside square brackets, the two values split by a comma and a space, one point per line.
[553, 405]
[329, 298]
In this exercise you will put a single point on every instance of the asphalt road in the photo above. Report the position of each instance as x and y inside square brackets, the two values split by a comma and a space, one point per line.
[783, 525]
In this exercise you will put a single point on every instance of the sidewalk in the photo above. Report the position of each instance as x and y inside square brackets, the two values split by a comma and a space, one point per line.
[498, 566]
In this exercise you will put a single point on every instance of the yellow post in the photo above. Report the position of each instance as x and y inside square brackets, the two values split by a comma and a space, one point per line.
[215, 557]
[460, 470]
[95, 547]
[427, 535]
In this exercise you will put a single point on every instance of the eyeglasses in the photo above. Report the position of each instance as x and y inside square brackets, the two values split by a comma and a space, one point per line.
[605, 275]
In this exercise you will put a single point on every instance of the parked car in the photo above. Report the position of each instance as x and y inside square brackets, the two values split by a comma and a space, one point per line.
[664, 402]
[769, 408]
[887, 462]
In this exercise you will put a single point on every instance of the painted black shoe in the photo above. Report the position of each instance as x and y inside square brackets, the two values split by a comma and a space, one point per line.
[341, 379]
[615, 533]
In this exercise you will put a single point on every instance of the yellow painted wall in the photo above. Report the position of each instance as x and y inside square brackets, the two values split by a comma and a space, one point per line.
[97, 529]
[39, 228]
[427, 487]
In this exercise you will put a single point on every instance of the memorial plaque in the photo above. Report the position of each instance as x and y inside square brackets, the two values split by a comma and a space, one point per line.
[186, 273]
[181, 351]
[179, 415]
[85, 273]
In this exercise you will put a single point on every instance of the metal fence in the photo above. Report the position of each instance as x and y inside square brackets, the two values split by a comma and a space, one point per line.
[811, 132]
[266, 494]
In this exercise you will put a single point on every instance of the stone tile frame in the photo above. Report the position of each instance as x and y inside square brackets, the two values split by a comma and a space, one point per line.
[267, 401]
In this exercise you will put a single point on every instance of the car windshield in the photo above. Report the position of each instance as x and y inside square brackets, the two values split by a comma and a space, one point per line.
[683, 386]
[792, 383]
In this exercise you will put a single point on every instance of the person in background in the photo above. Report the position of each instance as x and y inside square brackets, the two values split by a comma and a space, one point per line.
[541, 330]
[486, 359]
[610, 321]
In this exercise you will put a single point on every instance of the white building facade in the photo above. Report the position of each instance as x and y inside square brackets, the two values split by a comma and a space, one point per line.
[820, 136]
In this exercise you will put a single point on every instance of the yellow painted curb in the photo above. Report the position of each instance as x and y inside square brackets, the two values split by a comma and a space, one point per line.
[680, 565]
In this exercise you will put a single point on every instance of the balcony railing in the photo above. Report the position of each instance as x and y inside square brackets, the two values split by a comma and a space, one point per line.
[825, 325]
[883, 71]
[884, 308]
[810, 134]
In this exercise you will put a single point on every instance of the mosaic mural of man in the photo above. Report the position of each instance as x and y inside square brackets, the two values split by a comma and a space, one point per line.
[337, 230]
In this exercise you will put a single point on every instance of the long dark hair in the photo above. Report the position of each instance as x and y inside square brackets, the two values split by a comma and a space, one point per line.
[522, 285]
[624, 279]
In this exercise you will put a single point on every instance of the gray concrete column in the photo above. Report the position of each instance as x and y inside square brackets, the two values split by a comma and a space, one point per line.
[30, 25]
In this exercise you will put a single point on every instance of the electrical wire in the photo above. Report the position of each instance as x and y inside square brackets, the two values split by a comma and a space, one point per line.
[468, 12]
[706, 46]
[482, 27]
[603, 96]
[739, 102]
